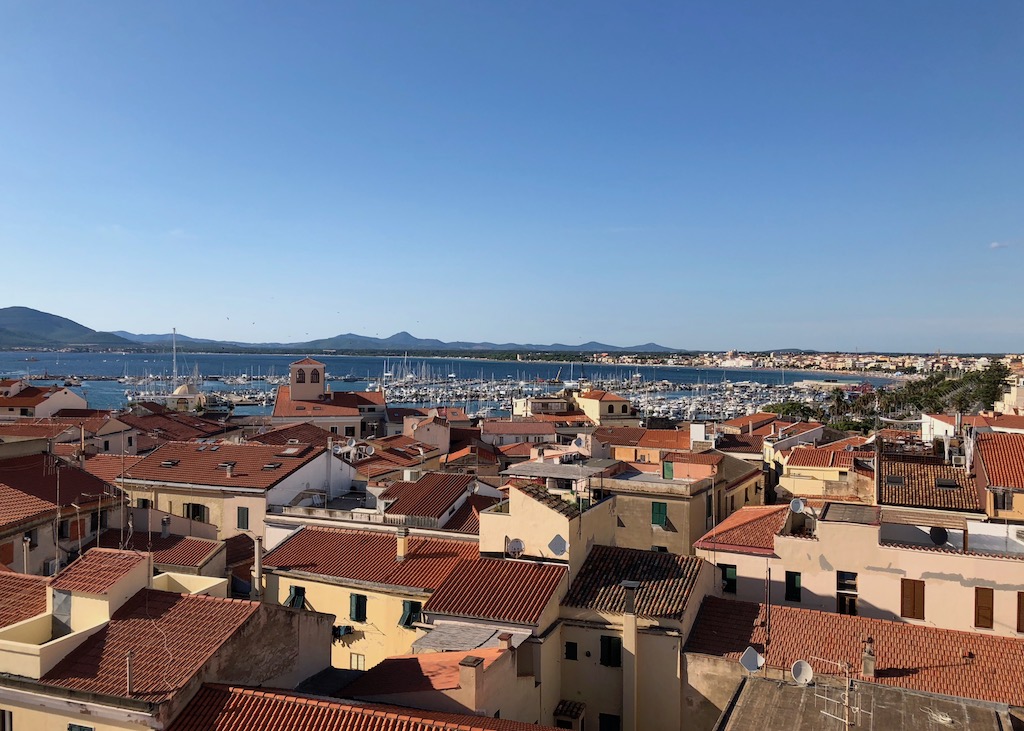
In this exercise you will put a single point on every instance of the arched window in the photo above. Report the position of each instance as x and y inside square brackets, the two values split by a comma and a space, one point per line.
[624, 407]
[611, 409]
[314, 376]
[300, 377]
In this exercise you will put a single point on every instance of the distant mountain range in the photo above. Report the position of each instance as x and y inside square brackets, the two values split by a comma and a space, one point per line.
[22, 327]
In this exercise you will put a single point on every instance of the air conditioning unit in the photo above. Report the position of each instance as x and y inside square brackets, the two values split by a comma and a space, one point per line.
[51, 567]
[959, 460]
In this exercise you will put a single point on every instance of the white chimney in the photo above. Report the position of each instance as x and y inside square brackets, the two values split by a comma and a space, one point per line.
[165, 526]
[230, 471]
[257, 581]
[403, 544]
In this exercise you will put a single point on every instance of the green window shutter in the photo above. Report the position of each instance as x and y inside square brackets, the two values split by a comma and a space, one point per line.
[296, 597]
[243, 518]
[357, 607]
[410, 613]
[659, 514]
[668, 470]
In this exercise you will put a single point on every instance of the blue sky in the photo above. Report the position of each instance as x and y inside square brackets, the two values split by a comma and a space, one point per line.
[704, 175]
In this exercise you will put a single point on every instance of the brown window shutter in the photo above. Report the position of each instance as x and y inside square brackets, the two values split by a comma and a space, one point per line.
[1020, 611]
[907, 599]
[983, 607]
[919, 599]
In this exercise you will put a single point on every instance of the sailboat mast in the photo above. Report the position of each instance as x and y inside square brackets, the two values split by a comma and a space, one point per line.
[174, 358]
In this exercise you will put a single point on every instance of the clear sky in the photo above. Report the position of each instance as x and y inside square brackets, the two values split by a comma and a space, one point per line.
[706, 175]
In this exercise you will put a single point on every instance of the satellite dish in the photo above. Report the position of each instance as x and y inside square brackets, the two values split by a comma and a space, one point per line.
[751, 660]
[337, 449]
[802, 672]
[558, 546]
[797, 505]
[577, 442]
[350, 442]
[370, 450]
[515, 547]
[939, 536]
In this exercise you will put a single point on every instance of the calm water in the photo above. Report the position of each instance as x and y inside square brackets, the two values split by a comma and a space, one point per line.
[110, 393]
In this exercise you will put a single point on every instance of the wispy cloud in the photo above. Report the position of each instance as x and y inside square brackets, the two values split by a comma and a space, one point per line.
[998, 245]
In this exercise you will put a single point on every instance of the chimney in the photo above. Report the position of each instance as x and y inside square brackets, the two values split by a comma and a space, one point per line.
[505, 640]
[230, 470]
[629, 664]
[867, 663]
[403, 543]
[471, 671]
[257, 581]
[165, 526]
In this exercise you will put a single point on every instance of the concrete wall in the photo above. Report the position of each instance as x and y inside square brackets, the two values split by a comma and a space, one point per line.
[708, 686]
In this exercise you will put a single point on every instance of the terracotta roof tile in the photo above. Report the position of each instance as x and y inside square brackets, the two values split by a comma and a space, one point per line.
[307, 361]
[33, 430]
[304, 433]
[497, 590]
[21, 597]
[914, 656]
[36, 475]
[369, 556]
[174, 426]
[16, 507]
[665, 438]
[708, 458]
[752, 420]
[173, 551]
[417, 673]
[502, 426]
[1002, 455]
[910, 481]
[596, 394]
[244, 709]
[200, 464]
[97, 571]
[619, 436]
[239, 549]
[467, 517]
[170, 636]
[666, 581]
[108, 467]
[748, 443]
[750, 529]
[825, 458]
[431, 496]
[518, 449]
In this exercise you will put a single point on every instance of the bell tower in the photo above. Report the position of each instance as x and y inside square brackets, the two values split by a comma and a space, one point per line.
[308, 380]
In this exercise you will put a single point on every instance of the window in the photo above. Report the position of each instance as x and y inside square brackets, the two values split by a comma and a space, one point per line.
[6, 721]
[334, 430]
[611, 409]
[1003, 500]
[707, 504]
[561, 723]
[571, 651]
[300, 376]
[314, 376]
[410, 613]
[624, 408]
[732, 503]
[64, 529]
[33, 537]
[984, 601]
[356, 661]
[608, 722]
[912, 599]
[357, 607]
[296, 597]
[792, 586]
[196, 511]
[350, 431]
[659, 549]
[611, 651]
[659, 514]
[1020, 611]
[242, 518]
[728, 578]
[131, 441]
[79, 727]
[846, 592]
[143, 502]
[106, 445]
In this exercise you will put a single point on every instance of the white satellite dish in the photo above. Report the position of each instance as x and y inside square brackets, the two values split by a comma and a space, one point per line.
[751, 660]
[350, 442]
[515, 547]
[797, 505]
[802, 672]
[337, 449]
[370, 450]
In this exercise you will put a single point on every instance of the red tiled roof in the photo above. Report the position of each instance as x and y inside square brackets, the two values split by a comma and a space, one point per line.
[498, 590]
[174, 426]
[1005, 421]
[570, 418]
[239, 549]
[36, 475]
[599, 395]
[709, 458]
[32, 430]
[500, 426]
[842, 444]
[330, 406]
[173, 550]
[919, 489]
[199, 464]
[29, 397]
[825, 458]
[108, 467]
[307, 361]
[16, 507]
[914, 656]
[665, 438]
[666, 581]
[221, 708]
[473, 454]
[417, 673]
[518, 449]
[21, 597]
[1002, 455]
[431, 496]
[749, 443]
[756, 420]
[170, 636]
[619, 436]
[369, 556]
[750, 529]
[98, 570]
[467, 517]
[303, 433]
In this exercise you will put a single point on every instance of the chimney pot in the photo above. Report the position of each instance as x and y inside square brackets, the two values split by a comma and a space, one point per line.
[868, 659]
[403, 544]
[230, 471]
[505, 638]
[629, 588]
[165, 526]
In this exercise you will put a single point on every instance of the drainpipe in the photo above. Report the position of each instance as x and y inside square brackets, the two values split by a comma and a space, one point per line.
[629, 659]
[26, 545]
[257, 583]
